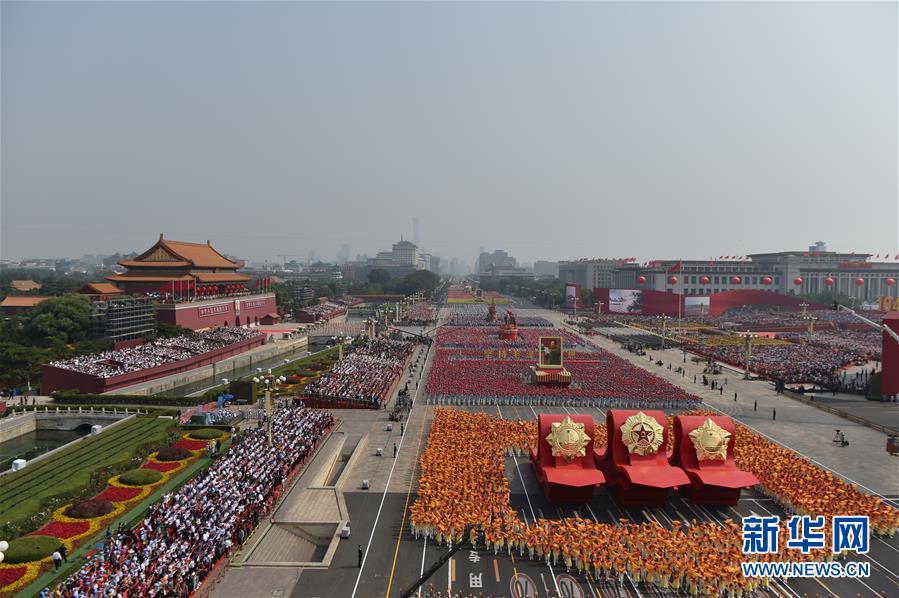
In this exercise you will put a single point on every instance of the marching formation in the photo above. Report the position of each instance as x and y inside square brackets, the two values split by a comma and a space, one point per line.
[464, 488]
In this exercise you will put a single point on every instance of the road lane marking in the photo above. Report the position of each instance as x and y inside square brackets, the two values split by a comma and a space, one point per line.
[422, 571]
[384, 496]
[496, 570]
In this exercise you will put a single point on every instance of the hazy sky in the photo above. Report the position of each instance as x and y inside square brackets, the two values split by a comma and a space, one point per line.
[552, 130]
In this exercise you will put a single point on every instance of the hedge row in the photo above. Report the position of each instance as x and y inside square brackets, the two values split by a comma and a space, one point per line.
[68, 397]
[150, 411]
[140, 477]
[30, 548]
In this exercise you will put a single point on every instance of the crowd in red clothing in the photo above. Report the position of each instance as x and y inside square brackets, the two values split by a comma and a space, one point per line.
[420, 314]
[476, 315]
[486, 338]
[597, 375]
[184, 535]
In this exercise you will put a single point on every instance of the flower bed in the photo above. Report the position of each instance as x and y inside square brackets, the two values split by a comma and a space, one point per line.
[89, 509]
[172, 453]
[163, 466]
[64, 530]
[15, 577]
[140, 477]
[73, 531]
[122, 494]
[205, 434]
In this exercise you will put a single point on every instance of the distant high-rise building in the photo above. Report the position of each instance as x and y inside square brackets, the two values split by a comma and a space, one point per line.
[589, 273]
[343, 254]
[490, 262]
[405, 253]
[546, 269]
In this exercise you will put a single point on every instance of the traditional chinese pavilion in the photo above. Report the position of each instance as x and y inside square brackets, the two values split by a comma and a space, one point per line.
[197, 286]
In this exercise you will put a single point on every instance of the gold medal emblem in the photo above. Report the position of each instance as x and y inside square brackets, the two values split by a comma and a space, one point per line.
[567, 439]
[641, 434]
[710, 441]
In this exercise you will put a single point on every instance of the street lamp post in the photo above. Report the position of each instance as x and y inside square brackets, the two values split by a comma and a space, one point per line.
[664, 318]
[269, 381]
[748, 348]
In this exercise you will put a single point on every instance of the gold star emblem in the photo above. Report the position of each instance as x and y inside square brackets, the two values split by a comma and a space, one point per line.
[568, 439]
[710, 441]
[641, 434]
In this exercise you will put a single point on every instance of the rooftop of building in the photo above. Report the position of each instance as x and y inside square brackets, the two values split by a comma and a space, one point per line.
[100, 288]
[26, 301]
[24, 286]
[166, 253]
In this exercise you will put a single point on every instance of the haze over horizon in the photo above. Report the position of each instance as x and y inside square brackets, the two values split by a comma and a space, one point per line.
[554, 131]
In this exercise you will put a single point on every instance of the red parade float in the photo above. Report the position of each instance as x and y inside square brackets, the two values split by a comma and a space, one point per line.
[508, 330]
[635, 462]
[704, 449]
[563, 461]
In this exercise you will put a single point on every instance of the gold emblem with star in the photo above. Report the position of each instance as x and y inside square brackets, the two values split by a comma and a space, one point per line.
[641, 434]
[710, 441]
[568, 439]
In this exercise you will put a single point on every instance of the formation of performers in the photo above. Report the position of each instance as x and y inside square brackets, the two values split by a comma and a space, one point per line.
[463, 488]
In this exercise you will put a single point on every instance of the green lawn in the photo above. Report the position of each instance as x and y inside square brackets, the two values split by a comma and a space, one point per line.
[64, 473]
[302, 364]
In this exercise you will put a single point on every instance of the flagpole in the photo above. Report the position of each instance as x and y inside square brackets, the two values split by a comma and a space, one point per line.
[680, 298]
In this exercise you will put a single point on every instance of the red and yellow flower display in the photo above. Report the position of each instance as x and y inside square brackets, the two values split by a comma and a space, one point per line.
[15, 577]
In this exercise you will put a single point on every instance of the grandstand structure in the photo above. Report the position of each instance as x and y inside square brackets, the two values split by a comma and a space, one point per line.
[118, 368]
[195, 286]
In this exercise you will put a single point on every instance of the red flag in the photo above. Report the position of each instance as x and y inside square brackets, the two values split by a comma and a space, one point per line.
[675, 268]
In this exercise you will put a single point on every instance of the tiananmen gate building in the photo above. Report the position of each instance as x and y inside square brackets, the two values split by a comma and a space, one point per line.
[196, 286]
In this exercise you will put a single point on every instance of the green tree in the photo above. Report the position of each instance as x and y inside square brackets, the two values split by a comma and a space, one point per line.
[59, 320]
[420, 280]
[21, 363]
[283, 296]
[166, 330]
[379, 276]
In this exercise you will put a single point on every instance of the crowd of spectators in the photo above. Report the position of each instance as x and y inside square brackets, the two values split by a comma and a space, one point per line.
[759, 320]
[159, 352]
[190, 529]
[366, 375]
[789, 363]
[865, 342]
